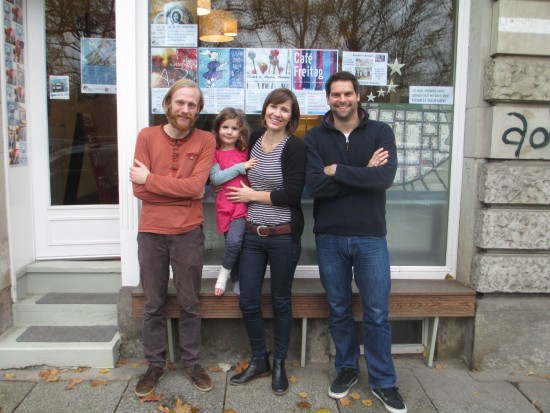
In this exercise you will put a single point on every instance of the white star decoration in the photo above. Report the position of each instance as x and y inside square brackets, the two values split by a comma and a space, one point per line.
[396, 67]
[381, 92]
[391, 87]
[370, 97]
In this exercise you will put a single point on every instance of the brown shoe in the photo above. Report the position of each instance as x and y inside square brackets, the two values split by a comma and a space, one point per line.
[198, 377]
[147, 383]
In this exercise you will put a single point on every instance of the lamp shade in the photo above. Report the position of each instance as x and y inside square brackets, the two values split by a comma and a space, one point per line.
[203, 7]
[211, 28]
[229, 24]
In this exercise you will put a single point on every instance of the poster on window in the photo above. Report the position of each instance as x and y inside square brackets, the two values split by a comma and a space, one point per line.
[221, 78]
[98, 65]
[265, 70]
[369, 68]
[312, 68]
[167, 66]
[173, 23]
[14, 64]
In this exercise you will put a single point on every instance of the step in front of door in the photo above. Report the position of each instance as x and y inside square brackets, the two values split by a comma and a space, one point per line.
[60, 346]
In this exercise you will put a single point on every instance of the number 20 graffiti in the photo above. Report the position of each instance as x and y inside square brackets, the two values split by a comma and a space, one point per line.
[533, 138]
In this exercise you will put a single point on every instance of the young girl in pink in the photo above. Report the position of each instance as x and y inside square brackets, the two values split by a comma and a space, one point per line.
[229, 169]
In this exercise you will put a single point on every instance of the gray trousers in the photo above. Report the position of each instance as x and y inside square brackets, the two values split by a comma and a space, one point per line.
[185, 253]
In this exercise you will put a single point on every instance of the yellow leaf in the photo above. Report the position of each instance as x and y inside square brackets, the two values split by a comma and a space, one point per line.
[323, 411]
[164, 409]
[296, 363]
[79, 370]
[214, 368]
[546, 377]
[303, 395]
[367, 402]
[9, 376]
[104, 371]
[355, 396]
[182, 407]
[440, 366]
[304, 405]
[449, 277]
[293, 379]
[345, 402]
[229, 411]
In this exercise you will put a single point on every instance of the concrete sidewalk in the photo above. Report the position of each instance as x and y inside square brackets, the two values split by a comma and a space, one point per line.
[448, 388]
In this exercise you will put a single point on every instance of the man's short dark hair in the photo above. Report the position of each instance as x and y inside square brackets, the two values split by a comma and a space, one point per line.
[342, 76]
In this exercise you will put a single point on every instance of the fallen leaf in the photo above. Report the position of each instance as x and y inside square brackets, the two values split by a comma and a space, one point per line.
[182, 407]
[304, 405]
[9, 376]
[214, 368]
[367, 402]
[345, 402]
[104, 371]
[79, 369]
[449, 277]
[72, 383]
[296, 363]
[136, 364]
[151, 397]
[241, 366]
[225, 366]
[51, 375]
[440, 366]
[546, 377]
[530, 373]
[96, 383]
[355, 395]
[323, 411]
[122, 362]
[164, 409]
[171, 366]
[303, 395]
[293, 379]
[2, 395]
[229, 411]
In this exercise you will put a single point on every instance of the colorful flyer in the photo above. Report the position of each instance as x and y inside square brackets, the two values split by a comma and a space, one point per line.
[59, 87]
[312, 68]
[221, 78]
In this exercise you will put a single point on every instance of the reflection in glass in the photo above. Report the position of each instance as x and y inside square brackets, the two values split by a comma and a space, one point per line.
[82, 117]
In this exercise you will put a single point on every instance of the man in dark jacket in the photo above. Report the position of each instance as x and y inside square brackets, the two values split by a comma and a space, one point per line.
[351, 162]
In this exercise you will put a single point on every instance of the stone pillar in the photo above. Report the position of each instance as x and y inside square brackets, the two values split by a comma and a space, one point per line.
[511, 238]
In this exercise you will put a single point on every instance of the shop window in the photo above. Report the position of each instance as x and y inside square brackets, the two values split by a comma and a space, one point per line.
[82, 113]
[402, 52]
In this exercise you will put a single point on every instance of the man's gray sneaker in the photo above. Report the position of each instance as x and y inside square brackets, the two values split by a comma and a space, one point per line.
[391, 399]
[342, 383]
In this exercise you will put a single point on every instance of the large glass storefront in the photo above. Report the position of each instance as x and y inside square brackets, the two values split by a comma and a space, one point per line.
[402, 52]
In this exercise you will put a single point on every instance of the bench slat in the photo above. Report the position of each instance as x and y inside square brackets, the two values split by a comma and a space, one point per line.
[408, 299]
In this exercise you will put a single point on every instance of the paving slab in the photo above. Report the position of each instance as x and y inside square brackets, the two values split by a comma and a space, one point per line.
[312, 381]
[538, 394]
[12, 394]
[453, 390]
[84, 397]
[173, 386]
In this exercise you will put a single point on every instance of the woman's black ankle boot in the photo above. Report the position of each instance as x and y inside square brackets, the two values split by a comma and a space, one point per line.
[258, 367]
[279, 380]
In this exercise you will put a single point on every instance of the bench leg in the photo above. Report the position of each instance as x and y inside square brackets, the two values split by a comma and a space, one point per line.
[171, 328]
[304, 341]
[433, 324]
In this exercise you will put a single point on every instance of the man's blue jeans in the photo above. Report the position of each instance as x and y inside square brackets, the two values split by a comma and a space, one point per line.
[366, 259]
[282, 252]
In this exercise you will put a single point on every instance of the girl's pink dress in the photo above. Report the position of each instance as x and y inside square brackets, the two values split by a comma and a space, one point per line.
[226, 211]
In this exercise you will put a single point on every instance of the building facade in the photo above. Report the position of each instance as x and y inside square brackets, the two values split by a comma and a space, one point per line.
[463, 84]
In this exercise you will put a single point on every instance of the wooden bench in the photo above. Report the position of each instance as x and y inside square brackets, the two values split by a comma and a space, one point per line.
[427, 300]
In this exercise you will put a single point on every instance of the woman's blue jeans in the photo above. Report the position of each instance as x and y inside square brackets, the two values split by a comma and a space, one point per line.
[366, 259]
[282, 252]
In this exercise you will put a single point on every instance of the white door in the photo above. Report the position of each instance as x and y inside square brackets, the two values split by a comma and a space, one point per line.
[72, 118]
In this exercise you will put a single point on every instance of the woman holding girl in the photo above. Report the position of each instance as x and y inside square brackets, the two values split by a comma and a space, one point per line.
[274, 225]
[229, 169]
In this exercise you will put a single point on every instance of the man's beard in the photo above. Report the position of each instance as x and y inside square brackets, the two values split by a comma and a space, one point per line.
[173, 120]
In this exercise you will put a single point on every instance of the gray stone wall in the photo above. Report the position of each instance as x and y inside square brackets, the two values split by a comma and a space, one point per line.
[510, 259]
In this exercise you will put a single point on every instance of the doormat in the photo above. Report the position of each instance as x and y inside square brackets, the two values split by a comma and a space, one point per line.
[78, 298]
[67, 334]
